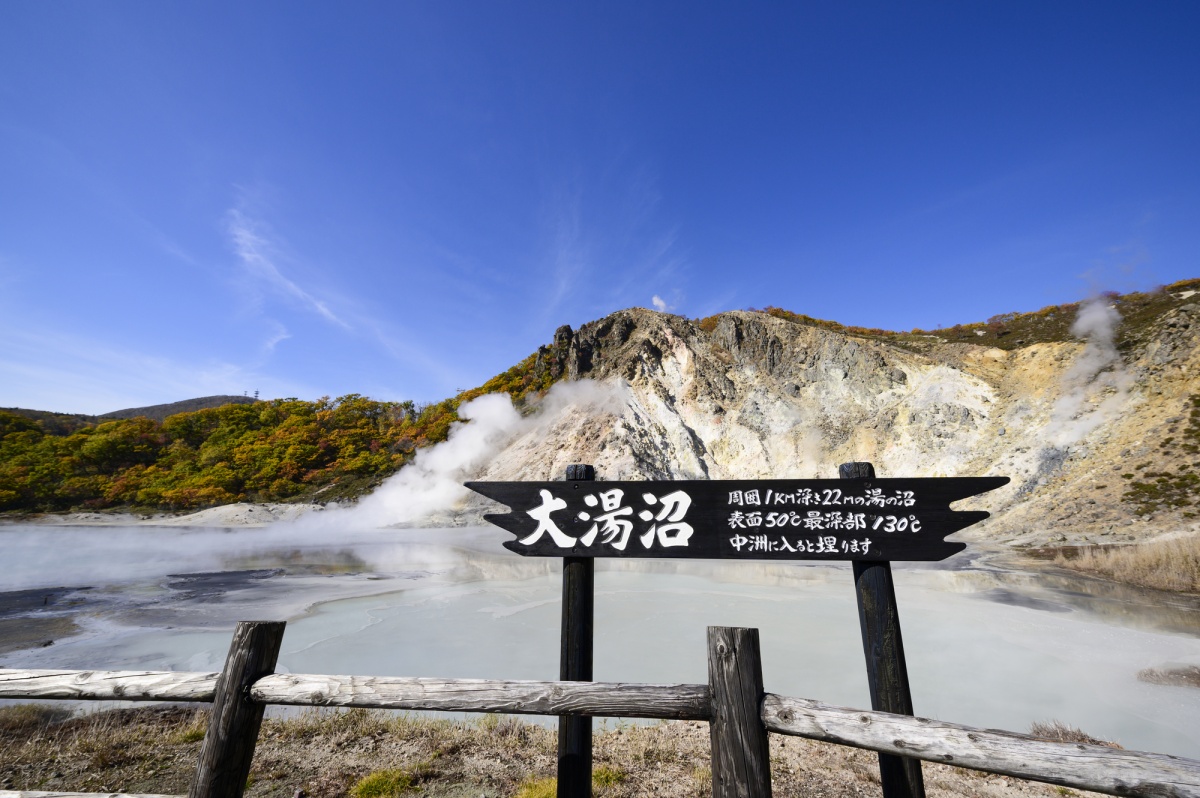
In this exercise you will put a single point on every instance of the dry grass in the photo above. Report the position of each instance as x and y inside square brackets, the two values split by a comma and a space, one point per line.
[1055, 731]
[1184, 676]
[1163, 565]
[29, 718]
[376, 754]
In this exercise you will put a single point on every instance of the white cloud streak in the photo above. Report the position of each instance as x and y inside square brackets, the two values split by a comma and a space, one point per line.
[569, 259]
[279, 335]
[400, 347]
[261, 254]
[606, 244]
[75, 374]
[258, 255]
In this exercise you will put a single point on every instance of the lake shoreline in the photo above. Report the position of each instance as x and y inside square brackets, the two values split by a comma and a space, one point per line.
[241, 514]
[1032, 557]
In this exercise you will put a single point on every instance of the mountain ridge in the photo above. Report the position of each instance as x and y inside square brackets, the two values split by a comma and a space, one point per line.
[1073, 422]
[1092, 408]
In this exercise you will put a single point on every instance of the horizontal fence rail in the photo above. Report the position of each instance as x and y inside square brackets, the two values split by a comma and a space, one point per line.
[1085, 767]
[599, 699]
[109, 685]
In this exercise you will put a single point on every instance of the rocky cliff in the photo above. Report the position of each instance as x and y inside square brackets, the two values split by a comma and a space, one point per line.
[1099, 441]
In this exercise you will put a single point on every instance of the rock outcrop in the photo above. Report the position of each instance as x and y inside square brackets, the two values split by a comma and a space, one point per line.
[747, 394]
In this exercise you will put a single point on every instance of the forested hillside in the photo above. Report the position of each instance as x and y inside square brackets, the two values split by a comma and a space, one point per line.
[276, 450]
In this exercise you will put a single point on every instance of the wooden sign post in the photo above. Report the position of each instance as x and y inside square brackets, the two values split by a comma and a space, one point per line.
[575, 662]
[887, 673]
[860, 518]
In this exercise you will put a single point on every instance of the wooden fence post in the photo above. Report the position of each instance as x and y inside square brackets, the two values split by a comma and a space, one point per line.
[741, 764]
[228, 747]
[575, 662]
[887, 673]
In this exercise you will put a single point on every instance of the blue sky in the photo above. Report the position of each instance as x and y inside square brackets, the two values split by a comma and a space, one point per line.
[403, 199]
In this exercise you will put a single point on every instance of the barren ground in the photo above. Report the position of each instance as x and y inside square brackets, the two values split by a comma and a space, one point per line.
[154, 750]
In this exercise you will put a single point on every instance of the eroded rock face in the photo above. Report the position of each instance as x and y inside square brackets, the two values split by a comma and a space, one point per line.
[758, 396]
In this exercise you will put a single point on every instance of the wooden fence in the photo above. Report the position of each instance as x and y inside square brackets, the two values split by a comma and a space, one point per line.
[739, 711]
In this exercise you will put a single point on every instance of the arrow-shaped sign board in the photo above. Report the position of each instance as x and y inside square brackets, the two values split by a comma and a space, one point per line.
[761, 519]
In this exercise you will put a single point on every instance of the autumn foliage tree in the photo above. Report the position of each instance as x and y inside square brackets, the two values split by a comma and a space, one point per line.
[277, 450]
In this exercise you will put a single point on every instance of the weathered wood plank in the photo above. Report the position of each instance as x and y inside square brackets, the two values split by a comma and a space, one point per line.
[741, 766]
[43, 794]
[602, 699]
[1085, 767]
[108, 685]
[228, 747]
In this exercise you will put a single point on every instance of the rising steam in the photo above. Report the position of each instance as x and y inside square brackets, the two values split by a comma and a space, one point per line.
[432, 484]
[1096, 385]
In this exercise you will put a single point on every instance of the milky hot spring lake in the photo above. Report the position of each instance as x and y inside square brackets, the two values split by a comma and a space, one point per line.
[985, 646]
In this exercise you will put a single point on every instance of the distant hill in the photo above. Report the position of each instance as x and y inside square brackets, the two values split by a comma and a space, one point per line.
[160, 412]
[55, 423]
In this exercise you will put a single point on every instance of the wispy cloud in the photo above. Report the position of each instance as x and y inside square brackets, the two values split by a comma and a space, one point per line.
[258, 255]
[269, 268]
[401, 347]
[56, 158]
[607, 244]
[1119, 267]
[660, 304]
[716, 303]
[569, 256]
[278, 335]
[78, 374]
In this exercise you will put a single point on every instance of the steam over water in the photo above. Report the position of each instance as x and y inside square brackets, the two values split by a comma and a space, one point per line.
[985, 648]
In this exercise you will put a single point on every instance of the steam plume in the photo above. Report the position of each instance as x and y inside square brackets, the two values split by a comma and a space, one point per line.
[432, 483]
[1096, 385]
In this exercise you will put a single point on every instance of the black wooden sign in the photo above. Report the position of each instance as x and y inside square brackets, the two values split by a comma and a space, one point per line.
[765, 519]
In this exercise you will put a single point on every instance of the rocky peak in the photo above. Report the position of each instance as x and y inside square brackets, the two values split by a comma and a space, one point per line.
[747, 394]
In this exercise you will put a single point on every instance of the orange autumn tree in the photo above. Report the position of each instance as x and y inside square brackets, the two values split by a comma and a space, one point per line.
[276, 450]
